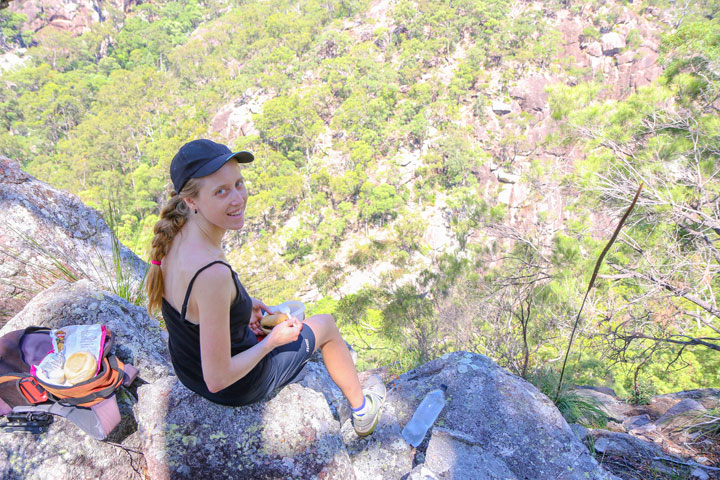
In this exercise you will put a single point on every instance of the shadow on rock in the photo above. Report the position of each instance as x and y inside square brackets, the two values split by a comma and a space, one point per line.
[292, 435]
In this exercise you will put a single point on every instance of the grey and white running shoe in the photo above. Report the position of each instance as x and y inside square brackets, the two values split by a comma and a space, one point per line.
[374, 392]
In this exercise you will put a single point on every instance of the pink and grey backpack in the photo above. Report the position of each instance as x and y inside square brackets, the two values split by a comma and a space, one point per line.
[28, 402]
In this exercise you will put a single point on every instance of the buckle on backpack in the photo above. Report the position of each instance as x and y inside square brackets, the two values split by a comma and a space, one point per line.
[32, 390]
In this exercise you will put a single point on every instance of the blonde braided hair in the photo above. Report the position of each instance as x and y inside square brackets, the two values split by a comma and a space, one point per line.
[172, 218]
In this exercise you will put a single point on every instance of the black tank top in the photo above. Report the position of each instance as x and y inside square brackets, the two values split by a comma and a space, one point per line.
[184, 346]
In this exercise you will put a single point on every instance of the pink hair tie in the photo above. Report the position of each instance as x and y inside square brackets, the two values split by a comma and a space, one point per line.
[156, 262]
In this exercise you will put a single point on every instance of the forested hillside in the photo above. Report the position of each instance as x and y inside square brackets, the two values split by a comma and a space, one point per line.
[440, 175]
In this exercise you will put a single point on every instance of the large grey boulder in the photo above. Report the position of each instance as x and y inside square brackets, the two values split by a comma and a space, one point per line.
[495, 425]
[624, 445]
[682, 414]
[612, 43]
[47, 234]
[65, 451]
[304, 431]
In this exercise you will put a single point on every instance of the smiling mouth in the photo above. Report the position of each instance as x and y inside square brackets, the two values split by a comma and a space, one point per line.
[236, 213]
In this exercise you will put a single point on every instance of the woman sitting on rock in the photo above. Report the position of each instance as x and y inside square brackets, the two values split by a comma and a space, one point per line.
[211, 320]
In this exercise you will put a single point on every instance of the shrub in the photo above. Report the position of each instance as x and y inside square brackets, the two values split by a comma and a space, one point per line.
[575, 408]
[641, 392]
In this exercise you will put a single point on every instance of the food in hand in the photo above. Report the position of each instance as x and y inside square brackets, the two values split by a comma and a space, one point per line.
[80, 366]
[269, 321]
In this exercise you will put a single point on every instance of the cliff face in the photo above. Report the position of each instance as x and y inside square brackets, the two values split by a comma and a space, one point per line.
[46, 235]
[510, 120]
[74, 16]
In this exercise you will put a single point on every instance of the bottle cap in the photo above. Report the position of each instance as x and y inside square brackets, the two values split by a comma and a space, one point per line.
[443, 387]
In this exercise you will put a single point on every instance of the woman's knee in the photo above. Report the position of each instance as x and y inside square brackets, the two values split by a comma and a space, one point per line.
[323, 326]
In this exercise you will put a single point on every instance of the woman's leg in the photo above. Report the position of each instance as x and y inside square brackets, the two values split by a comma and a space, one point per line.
[337, 357]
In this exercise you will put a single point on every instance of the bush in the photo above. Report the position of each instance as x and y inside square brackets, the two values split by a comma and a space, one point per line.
[591, 33]
[367, 253]
[575, 408]
[641, 392]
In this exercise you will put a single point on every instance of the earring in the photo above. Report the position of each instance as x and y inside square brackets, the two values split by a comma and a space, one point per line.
[196, 211]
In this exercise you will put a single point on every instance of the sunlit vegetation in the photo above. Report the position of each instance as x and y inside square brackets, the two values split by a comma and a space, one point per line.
[338, 212]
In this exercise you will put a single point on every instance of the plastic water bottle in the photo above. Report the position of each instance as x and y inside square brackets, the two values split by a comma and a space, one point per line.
[424, 416]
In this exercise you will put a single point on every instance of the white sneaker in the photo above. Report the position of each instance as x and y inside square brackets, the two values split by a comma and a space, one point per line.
[374, 393]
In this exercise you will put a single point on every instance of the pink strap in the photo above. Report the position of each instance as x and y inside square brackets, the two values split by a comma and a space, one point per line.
[156, 262]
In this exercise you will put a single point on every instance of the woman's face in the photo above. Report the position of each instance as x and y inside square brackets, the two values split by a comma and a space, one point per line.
[223, 197]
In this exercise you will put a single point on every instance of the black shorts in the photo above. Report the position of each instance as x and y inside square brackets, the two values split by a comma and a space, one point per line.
[285, 362]
[278, 368]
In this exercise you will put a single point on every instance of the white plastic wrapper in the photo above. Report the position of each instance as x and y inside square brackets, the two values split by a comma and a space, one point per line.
[66, 341]
[291, 307]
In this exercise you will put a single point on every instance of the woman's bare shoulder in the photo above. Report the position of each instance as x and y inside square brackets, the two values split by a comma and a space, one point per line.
[179, 270]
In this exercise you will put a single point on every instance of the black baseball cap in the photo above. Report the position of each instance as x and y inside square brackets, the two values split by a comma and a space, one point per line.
[200, 158]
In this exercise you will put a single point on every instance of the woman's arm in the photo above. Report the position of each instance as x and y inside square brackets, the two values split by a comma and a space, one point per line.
[213, 295]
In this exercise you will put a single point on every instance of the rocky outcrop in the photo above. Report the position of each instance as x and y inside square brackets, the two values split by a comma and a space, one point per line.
[501, 108]
[612, 43]
[707, 397]
[502, 423]
[294, 435]
[623, 56]
[623, 66]
[47, 234]
[234, 119]
[494, 425]
[74, 16]
[530, 93]
[655, 437]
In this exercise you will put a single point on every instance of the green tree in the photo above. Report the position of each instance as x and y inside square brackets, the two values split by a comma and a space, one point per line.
[380, 202]
[11, 32]
[290, 124]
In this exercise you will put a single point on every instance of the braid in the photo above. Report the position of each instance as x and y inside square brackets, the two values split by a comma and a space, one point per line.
[172, 218]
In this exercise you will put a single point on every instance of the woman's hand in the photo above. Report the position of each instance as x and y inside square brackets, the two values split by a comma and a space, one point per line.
[285, 332]
[258, 307]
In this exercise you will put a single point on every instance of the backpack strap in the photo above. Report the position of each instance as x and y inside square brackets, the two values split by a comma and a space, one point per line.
[97, 421]
[10, 389]
[109, 342]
